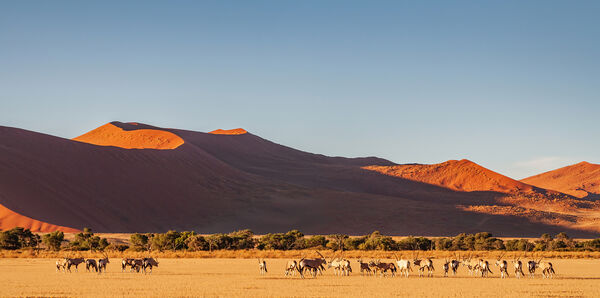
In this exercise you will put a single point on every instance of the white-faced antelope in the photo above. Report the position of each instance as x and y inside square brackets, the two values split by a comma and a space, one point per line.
[290, 268]
[346, 267]
[403, 266]
[518, 265]
[503, 265]
[484, 266]
[454, 264]
[61, 264]
[262, 266]
[547, 269]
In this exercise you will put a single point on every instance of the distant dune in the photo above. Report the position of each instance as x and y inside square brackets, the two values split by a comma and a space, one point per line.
[461, 175]
[114, 134]
[10, 219]
[581, 180]
[229, 180]
[236, 131]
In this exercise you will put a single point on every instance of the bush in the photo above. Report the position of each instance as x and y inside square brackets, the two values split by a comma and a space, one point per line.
[17, 238]
[53, 240]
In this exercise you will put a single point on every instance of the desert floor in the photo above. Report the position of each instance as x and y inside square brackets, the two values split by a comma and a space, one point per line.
[240, 277]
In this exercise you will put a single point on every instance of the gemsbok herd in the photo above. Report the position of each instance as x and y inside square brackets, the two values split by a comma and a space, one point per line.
[343, 267]
[403, 266]
[91, 265]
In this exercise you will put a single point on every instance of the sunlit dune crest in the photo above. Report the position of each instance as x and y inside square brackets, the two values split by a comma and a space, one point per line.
[236, 131]
[10, 219]
[580, 180]
[111, 135]
[461, 175]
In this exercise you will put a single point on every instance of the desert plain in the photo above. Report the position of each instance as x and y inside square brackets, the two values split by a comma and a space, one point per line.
[227, 277]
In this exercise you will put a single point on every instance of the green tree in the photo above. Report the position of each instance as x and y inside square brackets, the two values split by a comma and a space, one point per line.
[53, 240]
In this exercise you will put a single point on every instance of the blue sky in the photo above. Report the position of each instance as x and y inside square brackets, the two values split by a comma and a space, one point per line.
[512, 85]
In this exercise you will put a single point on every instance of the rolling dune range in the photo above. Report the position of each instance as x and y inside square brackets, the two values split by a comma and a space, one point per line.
[133, 177]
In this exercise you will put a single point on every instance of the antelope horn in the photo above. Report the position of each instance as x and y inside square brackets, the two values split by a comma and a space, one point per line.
[320, 254]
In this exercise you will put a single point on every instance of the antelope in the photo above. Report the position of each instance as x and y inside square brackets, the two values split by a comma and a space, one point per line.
[471, 265]
[61, 264]
[518, 267]
[102, 263]
[454, 264]
[364, 267]
[336, 265]
[484, 266]
[503, 265]
[424, 264]
[531, 266]
[346, 267]
[126, 262]
[262, 266]
[311, 264]
[446, 266]
[383, 267]
[547, 269]
[91, 263]
[74, 262]
[137, 264]
[290, 268]
[403, 266]
[150, 262]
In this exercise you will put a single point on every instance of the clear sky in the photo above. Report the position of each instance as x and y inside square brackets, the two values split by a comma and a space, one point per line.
[512, 85]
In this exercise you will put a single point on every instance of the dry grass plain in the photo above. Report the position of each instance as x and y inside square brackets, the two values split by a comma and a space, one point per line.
[239, 277]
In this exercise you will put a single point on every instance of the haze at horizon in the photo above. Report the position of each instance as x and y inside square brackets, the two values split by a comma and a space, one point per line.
[512, 86]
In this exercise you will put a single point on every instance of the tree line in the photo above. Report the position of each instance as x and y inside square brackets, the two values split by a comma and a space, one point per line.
[19, 238]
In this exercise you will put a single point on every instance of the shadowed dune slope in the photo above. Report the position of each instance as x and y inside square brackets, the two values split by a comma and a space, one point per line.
[219, 183]
[461, 175]
[581, 180]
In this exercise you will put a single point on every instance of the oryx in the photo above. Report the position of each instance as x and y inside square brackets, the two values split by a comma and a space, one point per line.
[312, 265]
[403, 266]
[531, 266]
[126, 262]
[290, 268]
[90, 264]
[383, 267]
[446, 267]
[137, 265]
[336, 264]
[61, 264]
[364, 267]
[346, 267]
[262, 266]
[151, 262]
[503, 265]
[484, 266]
[102, 263]
[518, 265]
[74, 262]
[547, 269]
[424, 264]
[454, 264]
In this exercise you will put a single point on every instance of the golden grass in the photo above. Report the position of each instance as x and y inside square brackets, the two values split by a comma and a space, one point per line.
[239, 277]
[291, 254]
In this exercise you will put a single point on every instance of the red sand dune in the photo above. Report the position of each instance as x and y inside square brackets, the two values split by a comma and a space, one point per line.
[580, 180]
[210, 183]
[10, 219]
[462, 175]
[236, 131]
[111, 135]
